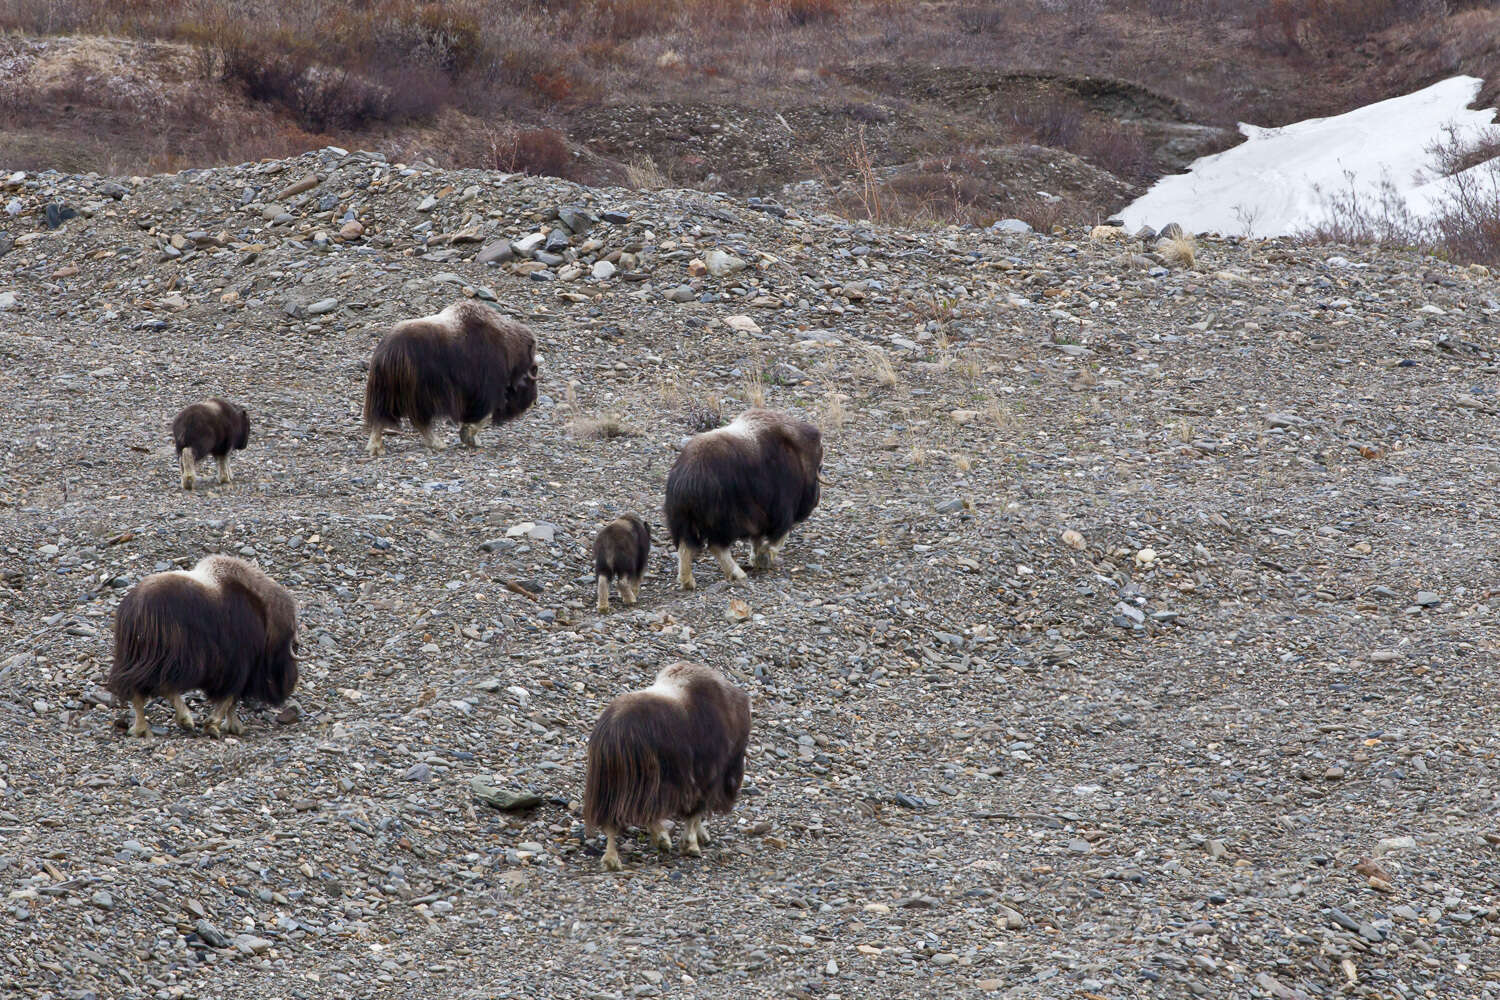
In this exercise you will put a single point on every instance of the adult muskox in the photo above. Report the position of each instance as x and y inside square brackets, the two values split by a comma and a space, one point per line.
[213, 427]
[223, 627]
[674, 750]
[468, 363]
[753, 479]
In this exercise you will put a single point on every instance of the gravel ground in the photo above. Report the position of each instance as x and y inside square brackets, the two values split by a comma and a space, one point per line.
[1142, 645]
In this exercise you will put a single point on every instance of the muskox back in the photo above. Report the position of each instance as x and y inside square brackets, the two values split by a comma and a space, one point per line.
[753, 479]
[674, 749]
[224, 628]
[468, 363]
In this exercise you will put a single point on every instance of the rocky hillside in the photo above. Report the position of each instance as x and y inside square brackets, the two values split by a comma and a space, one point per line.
[1142, 646]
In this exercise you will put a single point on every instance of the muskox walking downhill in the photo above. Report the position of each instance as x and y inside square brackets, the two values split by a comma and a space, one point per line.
[753, 479]
[213, 427]
[223, 627]
[621, 550]
[675, 750]
[468, 363]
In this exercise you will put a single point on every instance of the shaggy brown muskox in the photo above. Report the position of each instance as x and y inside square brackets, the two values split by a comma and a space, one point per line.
[213, 427]
[753, 480]
[673, 750]
[468, 363]
[620, 553]
[223, 627]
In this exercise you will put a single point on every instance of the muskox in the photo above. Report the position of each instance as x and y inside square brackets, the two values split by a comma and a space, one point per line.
[620, 552]
[753, 480]
[213, 427]
[223, 627]
[468, 363]
[675, 750]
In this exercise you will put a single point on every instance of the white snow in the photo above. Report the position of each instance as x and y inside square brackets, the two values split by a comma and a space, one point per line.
[1277, 182]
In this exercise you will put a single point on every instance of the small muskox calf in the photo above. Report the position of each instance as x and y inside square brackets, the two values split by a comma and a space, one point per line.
[620, 553]
[223, 627]
[675, 750]
[468, 363]
[753, 479]
[213, 427]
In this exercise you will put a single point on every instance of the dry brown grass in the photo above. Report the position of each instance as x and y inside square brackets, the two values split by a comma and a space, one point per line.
[643, 174]
[754, 384]
[601, 428]
[880, 366]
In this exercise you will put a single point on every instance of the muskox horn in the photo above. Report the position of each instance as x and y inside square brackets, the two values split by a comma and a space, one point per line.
[823, 480]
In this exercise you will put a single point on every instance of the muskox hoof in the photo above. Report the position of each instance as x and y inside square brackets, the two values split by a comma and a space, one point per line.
[611, 862]
[140, 731]
[686, 581]
[663, 842]
[692, 850]
[187, 482]
[187, 722]
[603, 607]
[211, 728]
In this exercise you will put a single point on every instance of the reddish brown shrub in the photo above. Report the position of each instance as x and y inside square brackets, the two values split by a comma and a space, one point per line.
[540, 151]
[810, 11]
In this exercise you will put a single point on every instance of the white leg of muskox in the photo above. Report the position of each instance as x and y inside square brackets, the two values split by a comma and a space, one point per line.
[224, 719]
[375, 447]
[690, 837]
[603, 584]
[760, 556]
[611, 860]
[181, 714]
[430, 438]
[773, 550]
[468, 434]
[140, 727]
[224, 474]
[189, 473]
[660, 837]
[703, 837]
[630, 589]
[685, 554]
[732, 571]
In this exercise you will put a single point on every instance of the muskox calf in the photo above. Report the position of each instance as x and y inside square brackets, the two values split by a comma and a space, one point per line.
[620, 552]
[223, 627]
[673, 750]
[753, 479]
[468, 363]
[213, 427]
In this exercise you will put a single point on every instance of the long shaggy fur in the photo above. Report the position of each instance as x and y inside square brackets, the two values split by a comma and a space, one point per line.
[468, 363]
[213, 427]
[753, 479]
[675, 749]
[621, 551]
[224, 628]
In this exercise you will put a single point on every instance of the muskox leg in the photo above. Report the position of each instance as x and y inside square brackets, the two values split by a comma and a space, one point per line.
[468, 434]
[430, 438]
[773, 549]
[611, 859]
[660, 837]
[181, 713]
[224, 474]
[690, 837]
[703, 837]
[189, 473]
[375, 447]
[140, 727]
[760, 556]
[224, 719]
[603, 583]
[630, 589]
[685, 554]
[731, 569]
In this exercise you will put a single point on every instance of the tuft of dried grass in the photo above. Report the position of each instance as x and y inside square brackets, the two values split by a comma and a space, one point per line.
[963, 462]
[835, 414]
[1179, 251]
[755, 385]
[603, 428]
[880, 365]
[643, 174]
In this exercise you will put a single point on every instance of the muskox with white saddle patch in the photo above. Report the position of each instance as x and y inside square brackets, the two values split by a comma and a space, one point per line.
[468, 363]
[223, 627]
[621, 550]
[213, 427]
[753, 479]
[675, 750]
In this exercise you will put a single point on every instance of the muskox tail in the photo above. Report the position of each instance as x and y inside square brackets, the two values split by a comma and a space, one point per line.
[633, 779]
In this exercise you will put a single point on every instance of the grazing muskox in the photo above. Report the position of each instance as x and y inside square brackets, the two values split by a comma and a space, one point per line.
[753, 480]
[620, 553]
[223, 627]
[673, 750]
[213, 427]
[468, 363]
